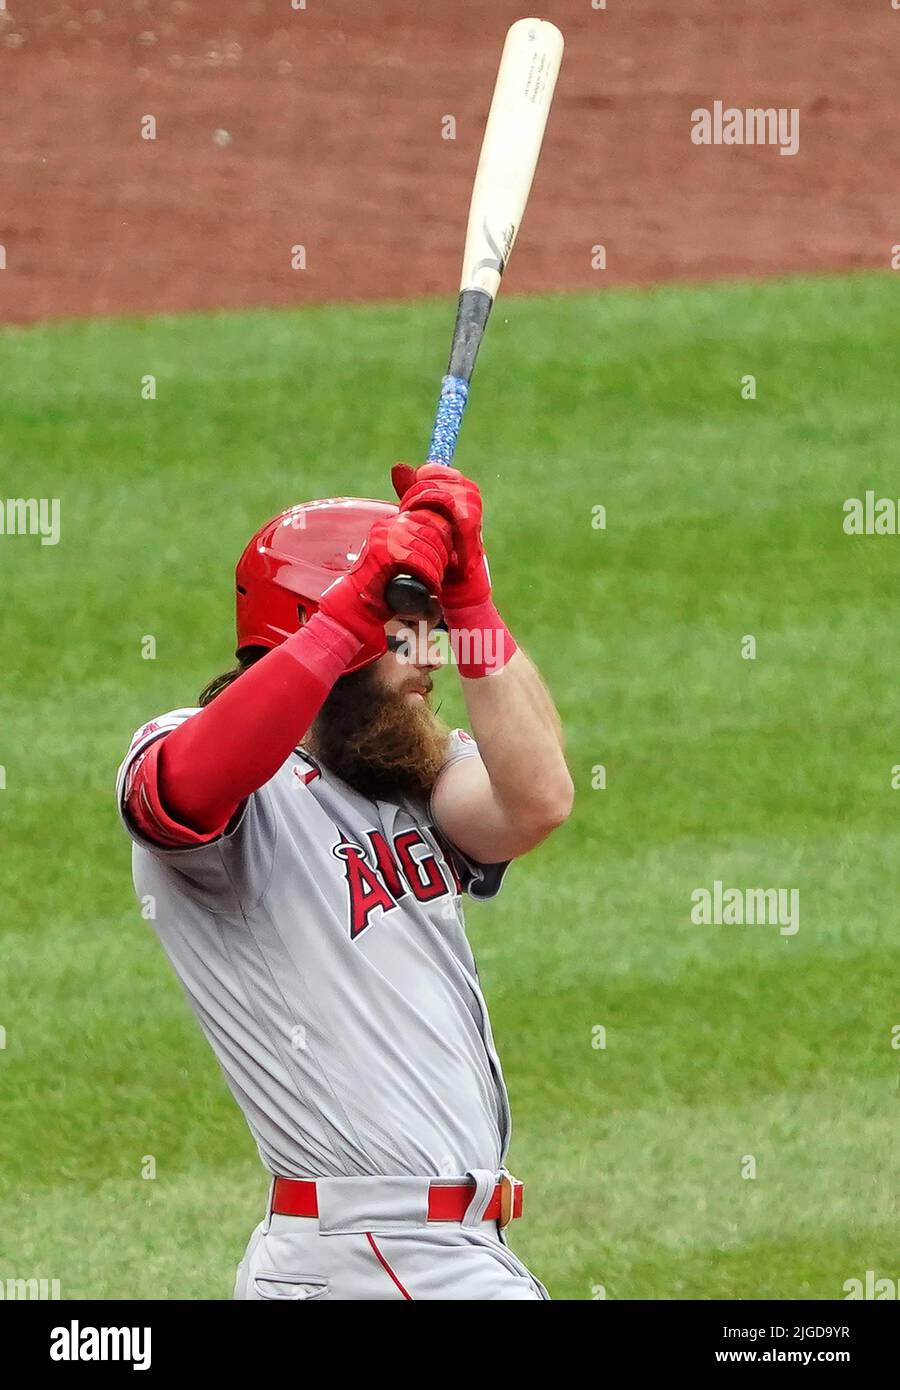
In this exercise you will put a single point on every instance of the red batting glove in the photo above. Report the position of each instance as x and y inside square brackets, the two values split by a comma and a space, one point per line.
[467, 581]
[416, 543]
[479, 638]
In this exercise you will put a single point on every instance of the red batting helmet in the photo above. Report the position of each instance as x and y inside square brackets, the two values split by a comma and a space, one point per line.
[290, 562]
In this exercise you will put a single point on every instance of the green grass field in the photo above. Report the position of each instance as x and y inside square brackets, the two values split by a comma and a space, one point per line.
[723, 519]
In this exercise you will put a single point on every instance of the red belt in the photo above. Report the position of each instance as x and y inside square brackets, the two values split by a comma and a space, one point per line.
[446, 1202]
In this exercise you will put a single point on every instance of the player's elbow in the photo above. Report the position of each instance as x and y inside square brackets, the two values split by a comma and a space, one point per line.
[559, 805]
[550, 810]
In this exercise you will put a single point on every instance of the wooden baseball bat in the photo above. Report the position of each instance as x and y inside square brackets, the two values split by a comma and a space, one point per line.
[526, 81]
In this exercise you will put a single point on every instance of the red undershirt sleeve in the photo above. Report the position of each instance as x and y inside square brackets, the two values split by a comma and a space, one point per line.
[189, 784]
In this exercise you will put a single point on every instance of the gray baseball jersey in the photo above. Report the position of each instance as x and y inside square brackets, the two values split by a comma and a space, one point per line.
[322, 946]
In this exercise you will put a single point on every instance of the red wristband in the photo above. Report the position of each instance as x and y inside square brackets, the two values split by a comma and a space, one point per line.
[324, 646]
[480, 641]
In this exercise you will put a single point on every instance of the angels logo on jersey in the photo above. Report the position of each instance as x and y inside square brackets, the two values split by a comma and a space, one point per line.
[398, 869]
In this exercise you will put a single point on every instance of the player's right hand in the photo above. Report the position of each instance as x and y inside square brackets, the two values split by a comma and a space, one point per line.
[467, 582]
[417, 543]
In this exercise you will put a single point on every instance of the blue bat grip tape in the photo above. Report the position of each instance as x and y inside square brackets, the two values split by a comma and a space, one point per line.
[454, 395]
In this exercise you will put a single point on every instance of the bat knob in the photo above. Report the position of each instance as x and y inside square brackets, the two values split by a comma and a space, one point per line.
[407, 595]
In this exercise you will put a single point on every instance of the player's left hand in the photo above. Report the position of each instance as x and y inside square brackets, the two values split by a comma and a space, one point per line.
[467, 581]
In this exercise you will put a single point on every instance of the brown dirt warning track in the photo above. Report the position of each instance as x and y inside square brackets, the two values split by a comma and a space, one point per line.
[322, 127]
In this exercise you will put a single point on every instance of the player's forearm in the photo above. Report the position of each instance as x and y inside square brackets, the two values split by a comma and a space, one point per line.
[517, 729]
[227, 751]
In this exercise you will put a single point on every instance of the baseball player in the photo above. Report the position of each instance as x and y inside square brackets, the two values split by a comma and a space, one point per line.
[302, 842]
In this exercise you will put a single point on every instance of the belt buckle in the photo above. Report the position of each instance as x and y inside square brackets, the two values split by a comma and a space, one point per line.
[507, 1198]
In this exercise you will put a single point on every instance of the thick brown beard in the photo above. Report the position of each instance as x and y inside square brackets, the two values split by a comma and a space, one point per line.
[378, 741]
